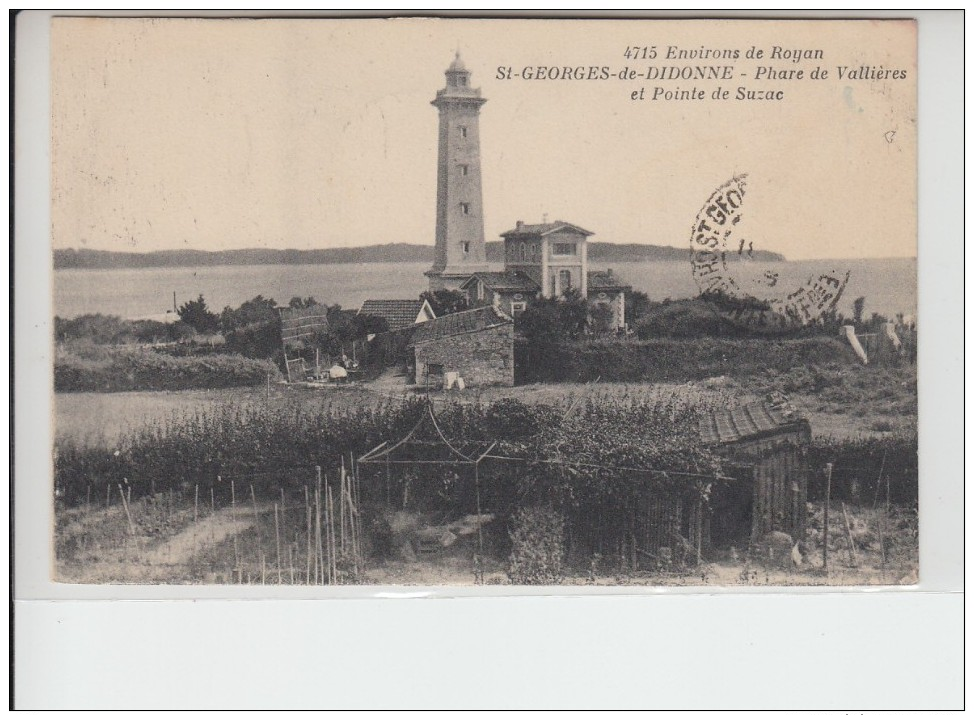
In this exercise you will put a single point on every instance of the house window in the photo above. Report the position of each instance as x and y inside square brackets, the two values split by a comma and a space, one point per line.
[464, 208]
[464, 169]
[434, 369]
[463, 132]
[565, 278]
[564, 249]
[534, 251]
[522, 251]
[465, 247]
[480, 290]
[462, 80]
[517, 308]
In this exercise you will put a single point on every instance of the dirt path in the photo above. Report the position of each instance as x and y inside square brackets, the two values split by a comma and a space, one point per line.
[205, 533]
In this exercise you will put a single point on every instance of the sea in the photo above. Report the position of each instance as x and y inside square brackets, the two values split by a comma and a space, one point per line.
[889, 285]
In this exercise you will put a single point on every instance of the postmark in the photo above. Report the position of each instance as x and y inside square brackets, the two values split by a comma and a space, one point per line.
[751, 294]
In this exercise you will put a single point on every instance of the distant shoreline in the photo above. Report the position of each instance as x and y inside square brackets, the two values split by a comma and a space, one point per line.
[599, 252]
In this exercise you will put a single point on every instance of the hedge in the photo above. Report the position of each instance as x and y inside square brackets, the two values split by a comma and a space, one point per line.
[671, 359]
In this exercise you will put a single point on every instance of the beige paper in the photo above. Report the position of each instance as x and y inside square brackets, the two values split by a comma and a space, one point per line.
[724, 143]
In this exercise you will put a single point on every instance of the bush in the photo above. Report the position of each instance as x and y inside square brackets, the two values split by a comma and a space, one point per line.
[689, 318]
[109, 330]
[537, 547]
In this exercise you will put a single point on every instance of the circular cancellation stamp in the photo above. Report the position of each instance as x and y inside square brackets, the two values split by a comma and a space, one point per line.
[732, 282]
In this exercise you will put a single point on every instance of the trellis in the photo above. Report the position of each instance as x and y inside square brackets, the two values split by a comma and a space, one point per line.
[425, 444]
[659, 514]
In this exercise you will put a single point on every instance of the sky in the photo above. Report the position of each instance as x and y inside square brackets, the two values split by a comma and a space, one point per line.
[224, 134]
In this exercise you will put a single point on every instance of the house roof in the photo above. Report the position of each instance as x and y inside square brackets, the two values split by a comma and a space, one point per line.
[398, 314]
[605, 280]
[542, 229]
[501, 281]
[748, 421]
[467, 321]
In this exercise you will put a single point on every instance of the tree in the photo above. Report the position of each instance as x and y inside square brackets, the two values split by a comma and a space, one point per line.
[255, 311]
[554, 319]
[637, 304]
[445, 301]
[197, 316]
[298, 302]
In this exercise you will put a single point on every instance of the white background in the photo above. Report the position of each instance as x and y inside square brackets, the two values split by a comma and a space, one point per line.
[899, 648]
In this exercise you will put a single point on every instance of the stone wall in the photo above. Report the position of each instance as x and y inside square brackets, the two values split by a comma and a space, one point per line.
[482, 358]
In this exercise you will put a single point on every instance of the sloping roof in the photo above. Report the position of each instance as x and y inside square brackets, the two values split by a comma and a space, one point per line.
[397, 313]
[468, 321]
[604, 280]
[749, 421]
[505, 281]
[541, 229]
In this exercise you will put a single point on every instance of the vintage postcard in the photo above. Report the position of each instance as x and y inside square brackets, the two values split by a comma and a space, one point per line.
[484, 302]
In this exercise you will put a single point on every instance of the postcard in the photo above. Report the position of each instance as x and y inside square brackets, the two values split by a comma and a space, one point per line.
[500, 302]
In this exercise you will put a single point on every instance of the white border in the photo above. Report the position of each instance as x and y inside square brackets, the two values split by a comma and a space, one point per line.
[695, 629]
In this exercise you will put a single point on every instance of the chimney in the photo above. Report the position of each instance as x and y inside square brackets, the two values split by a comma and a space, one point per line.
[608, 272]
[519, 225]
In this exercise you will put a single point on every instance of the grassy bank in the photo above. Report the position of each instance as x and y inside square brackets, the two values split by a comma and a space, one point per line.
[115, 369]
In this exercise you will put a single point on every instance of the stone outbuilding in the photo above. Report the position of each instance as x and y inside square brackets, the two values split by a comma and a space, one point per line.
[475, 345]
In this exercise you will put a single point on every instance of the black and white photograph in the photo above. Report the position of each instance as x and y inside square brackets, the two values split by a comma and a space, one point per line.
[487, 303]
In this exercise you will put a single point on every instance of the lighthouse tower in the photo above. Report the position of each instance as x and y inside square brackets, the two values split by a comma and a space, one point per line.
[460, 249]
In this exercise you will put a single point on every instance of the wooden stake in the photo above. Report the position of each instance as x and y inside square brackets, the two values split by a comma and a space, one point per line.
[212, 501]
[331, 534]
[290, 557]
[341, 506]
[108, 496]
[88, 501]
[319, 565]
[853, 556]
[307, 514]
[480, 533]
[353, 529]
[233, 521]
[196, 504]
[128, 514]
[253, 499]
[277, 543]
[825, 525]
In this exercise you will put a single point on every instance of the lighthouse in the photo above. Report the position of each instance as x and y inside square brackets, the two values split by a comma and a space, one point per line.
[460, 249]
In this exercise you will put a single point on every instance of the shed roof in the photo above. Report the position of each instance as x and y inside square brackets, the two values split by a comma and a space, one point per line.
[505, 281]
[605, 280]
[398, 314]
[542, 229]
[468, 321]
[753, 420]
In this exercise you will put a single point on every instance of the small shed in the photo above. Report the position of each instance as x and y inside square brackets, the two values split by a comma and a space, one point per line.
[765, 446]
[477, 345]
